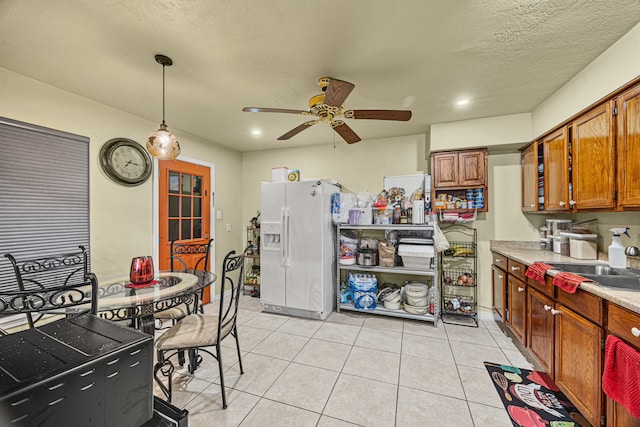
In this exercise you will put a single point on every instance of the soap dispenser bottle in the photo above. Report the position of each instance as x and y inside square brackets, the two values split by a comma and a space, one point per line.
[617, 258]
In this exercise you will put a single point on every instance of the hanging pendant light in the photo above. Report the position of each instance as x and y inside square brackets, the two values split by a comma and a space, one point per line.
[162, 143]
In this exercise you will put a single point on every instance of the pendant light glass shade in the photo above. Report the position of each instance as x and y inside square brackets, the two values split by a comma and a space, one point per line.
[162, 144]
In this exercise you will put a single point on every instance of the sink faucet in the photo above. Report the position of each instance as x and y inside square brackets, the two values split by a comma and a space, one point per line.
[632, 251]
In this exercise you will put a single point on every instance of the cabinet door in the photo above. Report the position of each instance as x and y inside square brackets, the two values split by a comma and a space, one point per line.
[629, 148]
[593, 156]
[517, 306]
[472, 167]
[444, 167]
[578, 362]
[618, 416]
[540, 328]
[556, 171]
[499, 284]
[529, 161]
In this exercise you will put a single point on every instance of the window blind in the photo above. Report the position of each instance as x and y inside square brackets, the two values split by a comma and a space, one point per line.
[44, 193]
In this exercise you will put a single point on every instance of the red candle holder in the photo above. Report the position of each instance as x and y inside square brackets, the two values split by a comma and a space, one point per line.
[141, 270]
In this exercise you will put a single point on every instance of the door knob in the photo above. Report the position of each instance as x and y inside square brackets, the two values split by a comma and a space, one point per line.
[562, 204]
[635, 331]
[547, 307]
[520, 289]
[554, 312]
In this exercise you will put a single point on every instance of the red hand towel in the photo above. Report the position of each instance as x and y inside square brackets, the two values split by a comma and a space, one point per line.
[537, 270]
[568, 281]
[621, 377]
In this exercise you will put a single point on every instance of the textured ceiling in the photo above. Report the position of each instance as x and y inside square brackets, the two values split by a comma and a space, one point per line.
[507, 56]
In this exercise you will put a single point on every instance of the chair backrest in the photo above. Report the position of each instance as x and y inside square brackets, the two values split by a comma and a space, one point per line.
[232, 271]
[53, 283]
[189, 256]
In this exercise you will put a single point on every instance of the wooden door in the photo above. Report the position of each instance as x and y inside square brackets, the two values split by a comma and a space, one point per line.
[540, 329]
[184, 209]
[618, 416]
[471, 165]
[499, 284]
[444, 168]
[593, 156]
[629, 148]
[556, 171]
[529, 162]
[517, 307]
[578, 362]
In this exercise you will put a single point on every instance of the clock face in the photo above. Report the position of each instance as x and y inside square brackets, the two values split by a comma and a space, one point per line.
[125, 161]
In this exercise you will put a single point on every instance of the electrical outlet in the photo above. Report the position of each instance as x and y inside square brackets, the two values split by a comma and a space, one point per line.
[228, 227]
[219, 215]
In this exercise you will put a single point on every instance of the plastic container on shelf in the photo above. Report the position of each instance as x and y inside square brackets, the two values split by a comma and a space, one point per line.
[561, 245]
[555, 226]
[416, 256]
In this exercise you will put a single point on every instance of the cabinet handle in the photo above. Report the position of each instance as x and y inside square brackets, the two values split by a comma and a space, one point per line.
[500, 276]
[572, 202]
[520, 289]
[554, 312]
[562, 203]
[515, 268]
[497, 260]
[532, 206]
[635, 332]
[547, 307]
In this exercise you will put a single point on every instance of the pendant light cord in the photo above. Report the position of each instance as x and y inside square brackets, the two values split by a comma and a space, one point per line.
[163, 65]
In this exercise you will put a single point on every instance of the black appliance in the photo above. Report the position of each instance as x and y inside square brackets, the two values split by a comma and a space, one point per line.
[82, 371]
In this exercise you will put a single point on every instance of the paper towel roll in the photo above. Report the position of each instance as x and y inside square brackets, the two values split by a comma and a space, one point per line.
[417, 212]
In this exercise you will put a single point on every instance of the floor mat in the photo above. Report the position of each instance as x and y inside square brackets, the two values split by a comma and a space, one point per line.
[532, 399]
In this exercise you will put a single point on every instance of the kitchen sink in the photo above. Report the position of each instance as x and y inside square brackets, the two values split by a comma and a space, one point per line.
[619, 278]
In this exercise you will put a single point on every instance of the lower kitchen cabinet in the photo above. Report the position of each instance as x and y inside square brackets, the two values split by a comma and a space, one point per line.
[499, 285]
[541, 329]
[517, 291]
[579, 361]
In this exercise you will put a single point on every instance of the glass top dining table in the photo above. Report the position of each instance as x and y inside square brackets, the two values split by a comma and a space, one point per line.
[119, 300]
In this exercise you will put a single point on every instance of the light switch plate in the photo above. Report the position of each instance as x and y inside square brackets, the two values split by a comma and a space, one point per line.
[228, 227]
[219, 215]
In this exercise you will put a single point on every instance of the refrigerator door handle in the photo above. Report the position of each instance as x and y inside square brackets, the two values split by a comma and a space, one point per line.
[283, 254]
[287, 239]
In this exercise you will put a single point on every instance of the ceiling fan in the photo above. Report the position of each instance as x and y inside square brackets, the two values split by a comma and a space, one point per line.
[328, 108]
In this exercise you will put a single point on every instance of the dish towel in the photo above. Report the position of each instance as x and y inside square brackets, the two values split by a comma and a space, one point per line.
[537, 270]
[568, 281]
[621, 377]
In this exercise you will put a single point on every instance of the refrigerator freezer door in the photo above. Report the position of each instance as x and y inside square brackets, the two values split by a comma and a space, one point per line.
[272, 269]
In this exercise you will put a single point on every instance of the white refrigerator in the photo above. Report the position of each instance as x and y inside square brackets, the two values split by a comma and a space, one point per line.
[297, 237]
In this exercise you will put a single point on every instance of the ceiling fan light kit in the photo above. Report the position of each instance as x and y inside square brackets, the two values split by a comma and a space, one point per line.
[328, 108]
[162, 144]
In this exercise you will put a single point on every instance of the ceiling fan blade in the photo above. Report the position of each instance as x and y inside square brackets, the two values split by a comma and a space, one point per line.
[399, 115]
[336, 92]
[293, 132]
[345, 131]
[273, 110]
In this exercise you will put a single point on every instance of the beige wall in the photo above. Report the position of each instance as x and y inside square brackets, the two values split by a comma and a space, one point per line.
[121, 217]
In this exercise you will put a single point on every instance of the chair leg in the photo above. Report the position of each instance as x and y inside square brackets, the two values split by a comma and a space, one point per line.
[165, 367]
[235, 335]
[219, 357]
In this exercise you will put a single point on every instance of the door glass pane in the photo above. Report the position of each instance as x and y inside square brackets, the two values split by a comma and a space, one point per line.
[174, 206]
[174, 229]
[186, 206]
[186, 229]
[186, 183]
[197, 207]
[197, 228]
[197, 185]
[174, 182]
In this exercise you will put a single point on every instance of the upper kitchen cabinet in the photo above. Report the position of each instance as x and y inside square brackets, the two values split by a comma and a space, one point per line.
[455, 173]
[628, 129]
[556, 170]
[593, 160]
[530, 168]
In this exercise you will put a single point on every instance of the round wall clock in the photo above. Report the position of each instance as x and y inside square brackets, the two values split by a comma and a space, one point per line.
[125, 161]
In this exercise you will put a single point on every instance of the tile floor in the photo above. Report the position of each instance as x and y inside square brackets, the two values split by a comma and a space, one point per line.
[352, 369]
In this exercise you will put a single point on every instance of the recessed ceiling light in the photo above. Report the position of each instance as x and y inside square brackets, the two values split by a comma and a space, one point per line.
[463, 101]
[256, 132]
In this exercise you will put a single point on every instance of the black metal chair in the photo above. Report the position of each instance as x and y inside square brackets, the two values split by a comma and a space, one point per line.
[187, 257]
[56, 284]
[197, 331]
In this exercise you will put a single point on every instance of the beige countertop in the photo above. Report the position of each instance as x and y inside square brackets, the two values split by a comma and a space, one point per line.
[529, 252]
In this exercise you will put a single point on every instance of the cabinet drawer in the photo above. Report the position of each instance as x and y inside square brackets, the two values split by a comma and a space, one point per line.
[546, 289]
[589, 305]
[499, 261]
[516, 269]
[620, 321]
